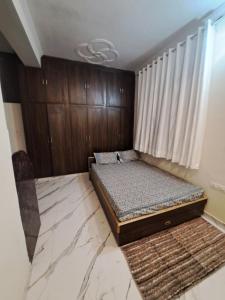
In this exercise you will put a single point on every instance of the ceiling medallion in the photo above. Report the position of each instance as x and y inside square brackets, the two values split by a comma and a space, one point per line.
[98, 51]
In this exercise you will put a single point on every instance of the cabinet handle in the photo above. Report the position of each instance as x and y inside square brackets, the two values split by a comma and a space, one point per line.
[43, 82]
[50, 140]
[167, 223]
[46, 81]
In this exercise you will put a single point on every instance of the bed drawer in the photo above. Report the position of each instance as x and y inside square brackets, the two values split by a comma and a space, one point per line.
[161, 221]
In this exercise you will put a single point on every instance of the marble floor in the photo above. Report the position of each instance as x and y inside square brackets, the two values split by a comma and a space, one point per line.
[76, 255]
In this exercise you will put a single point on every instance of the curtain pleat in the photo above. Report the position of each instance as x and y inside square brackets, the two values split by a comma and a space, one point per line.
[171, 104]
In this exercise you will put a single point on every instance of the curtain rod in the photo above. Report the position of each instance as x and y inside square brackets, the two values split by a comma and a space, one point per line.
[181, 43]
[172, 49]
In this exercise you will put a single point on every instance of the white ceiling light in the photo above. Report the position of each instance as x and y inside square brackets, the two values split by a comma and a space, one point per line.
[98, 51]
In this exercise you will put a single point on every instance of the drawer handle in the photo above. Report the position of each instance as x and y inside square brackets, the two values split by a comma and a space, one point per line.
[168, 223]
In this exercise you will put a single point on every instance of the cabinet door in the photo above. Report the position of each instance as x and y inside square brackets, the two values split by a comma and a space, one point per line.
[97, 129]
[35, 85]
[55, 71]
[114, 89]
[78, 116]
[128, 85]
[9, 77]
[77, 83]
[60, 139]
[120, 88]
[126, 128]
[37, 138]
[96, 86]
[113, 128]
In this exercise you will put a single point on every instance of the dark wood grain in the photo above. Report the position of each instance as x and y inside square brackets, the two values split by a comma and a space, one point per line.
[113, 128]
[133, 231]
[126, 128]
[28, 203]
[114, 89]
[37, 137]
[55, 72]
[119, 88]
[79, 131]
[35, 82]
[60, 137]
[97, 129]
[105, 123]
[96, 90]
[9, 76]
[77, 78]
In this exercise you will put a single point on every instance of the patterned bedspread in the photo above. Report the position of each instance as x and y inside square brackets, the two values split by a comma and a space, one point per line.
[136, 188]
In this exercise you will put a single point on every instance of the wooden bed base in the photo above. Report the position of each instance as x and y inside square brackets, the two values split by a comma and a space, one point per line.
[136, 228]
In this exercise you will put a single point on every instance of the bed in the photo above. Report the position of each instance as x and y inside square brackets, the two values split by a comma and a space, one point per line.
[140, 199]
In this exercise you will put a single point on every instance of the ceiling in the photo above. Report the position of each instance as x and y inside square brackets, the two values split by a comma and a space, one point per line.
[133, 27]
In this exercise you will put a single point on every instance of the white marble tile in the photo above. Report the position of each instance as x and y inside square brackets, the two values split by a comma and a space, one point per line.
[76, 255]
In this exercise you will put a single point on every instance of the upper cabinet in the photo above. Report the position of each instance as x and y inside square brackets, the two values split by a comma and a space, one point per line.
[35, 85]
[9, 77]
[119, 88]
[113, 89]
[96, 86]
[56, 79]
[77, 80]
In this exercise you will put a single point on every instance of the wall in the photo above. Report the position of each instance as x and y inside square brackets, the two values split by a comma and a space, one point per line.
[17, 27]
[14, 264]
[212, 167]
[14, 121]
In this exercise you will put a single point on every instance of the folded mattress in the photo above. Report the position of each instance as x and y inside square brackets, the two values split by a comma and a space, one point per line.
[136, 188]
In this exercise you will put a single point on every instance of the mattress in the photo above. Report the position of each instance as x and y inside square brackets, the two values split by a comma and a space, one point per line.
[136, 188]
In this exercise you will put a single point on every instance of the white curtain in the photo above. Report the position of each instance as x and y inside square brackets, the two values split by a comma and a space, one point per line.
[172, 100]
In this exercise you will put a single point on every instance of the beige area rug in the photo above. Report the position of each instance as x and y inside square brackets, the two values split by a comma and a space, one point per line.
[167, 263]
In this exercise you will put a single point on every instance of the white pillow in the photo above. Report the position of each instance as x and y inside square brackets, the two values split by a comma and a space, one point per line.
[106, 158]
[128, 155]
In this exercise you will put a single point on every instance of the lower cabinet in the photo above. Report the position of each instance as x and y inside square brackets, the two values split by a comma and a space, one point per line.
[79, 134]
[60, 139]
[97, 129]
[114, 129]
[37, 138]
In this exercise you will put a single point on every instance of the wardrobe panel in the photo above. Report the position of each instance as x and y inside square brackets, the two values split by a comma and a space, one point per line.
[77, 79]
[79, 129]
[37, 138]
[128, 84]
[114, 89]
[97, 129]
[9, 77]
[55, 71]
[96, 86]
[60, 138]
[126, 129]
[113, 129]
[35, 85]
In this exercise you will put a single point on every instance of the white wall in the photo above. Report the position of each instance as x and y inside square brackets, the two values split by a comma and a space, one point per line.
[14, 121]
[14, 264]
[212, 167]
[17, 27]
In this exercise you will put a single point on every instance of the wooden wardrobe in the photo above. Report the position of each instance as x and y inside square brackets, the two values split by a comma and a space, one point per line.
[72, 109]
